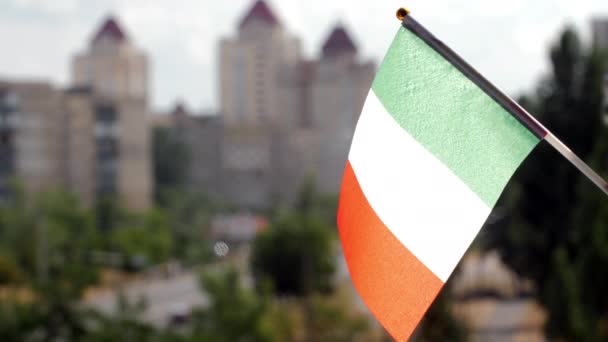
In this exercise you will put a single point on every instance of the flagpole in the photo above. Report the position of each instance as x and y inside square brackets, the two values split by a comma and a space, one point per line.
[509, 104]
[577, 162]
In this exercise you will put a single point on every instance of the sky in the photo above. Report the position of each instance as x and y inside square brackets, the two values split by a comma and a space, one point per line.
[507, 41]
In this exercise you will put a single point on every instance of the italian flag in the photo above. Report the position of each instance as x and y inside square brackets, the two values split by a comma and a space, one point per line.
[434, 147]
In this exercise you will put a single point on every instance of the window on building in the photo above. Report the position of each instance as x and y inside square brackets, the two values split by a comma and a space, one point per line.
[6, 155]
[107, 147]
[106, 123]
[106, 113]
[107, 174]
[8, 110]
[240, 80]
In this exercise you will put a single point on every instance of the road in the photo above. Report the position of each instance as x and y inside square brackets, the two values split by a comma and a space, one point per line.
[162, 295]
[502, 320]
[517, 320]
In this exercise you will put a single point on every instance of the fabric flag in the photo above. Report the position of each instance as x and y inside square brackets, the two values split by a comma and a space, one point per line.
[434, 147]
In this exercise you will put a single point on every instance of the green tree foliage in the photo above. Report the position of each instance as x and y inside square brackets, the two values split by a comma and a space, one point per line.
[439, 323]
[37, 321]
[144, 236]
[41, 320]
[47, 240]
[234, 313]
[189, 215]
[107, 213]
[126, 325]
[295, 254]
[310, 202]
[10, 273]
[330, 321]
[555, 230]
[46, 263]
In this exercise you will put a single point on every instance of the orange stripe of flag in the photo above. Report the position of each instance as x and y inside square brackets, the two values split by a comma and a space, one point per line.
[393, 283]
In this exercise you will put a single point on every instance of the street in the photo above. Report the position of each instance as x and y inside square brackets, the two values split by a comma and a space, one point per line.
[162, 296]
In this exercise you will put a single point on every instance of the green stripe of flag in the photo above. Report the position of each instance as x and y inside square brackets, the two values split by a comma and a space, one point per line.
[451, 116]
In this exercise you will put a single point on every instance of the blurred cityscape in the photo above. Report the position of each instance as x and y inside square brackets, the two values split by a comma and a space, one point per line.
[118, 222]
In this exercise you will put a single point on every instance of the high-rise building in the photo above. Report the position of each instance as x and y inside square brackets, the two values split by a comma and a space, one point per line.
[203, 132]
[112, 65]
[337, 93]
[91, 139]
[250, 67]
[31, 135]
[599, 27]
[46, 139]
[116, 73]
[283, 118]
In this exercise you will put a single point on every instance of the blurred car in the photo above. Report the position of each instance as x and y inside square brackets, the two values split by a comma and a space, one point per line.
[179, 314]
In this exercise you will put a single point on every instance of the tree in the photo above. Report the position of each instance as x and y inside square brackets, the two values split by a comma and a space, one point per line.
[439, 323]
[144, 236]
[189, 215]
[306, 234]
[335, 320]
[234, 313]
[125, 325]
[578, 278]
[310, 202]
[48, 239]
[295, 254]
[554, 233]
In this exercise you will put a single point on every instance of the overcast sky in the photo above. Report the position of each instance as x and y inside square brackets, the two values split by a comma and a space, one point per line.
[505, 40]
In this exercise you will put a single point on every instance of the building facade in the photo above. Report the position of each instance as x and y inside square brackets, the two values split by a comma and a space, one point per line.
[91, 139]
[283, 118]
[302, 115]
[31, 135]
[203, 134]
[116, 72]
[250, 65]
[46, 139]
[112, 65]
[599, 28]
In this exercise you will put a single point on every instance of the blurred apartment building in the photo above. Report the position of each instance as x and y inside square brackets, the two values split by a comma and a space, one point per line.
[283, 118]
[32, 135]
[91, 139]
[202, 135]
[599, 28]
[117, 73]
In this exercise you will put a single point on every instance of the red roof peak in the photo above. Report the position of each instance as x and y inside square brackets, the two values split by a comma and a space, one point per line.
[180, 108]
[339, 42]
[111, 29]
[260, 11]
